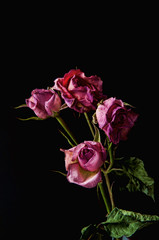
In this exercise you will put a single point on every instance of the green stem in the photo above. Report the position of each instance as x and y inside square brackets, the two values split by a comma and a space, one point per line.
[104, 197]
[65, 127]
[109, 191]
[107, 171]
[89, 123]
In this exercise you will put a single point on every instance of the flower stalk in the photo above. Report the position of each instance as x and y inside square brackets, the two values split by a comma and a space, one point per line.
[109, 191]
[104, 197]
[107, 171]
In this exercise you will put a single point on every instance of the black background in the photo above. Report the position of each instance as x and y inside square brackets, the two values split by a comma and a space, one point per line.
[38, 46]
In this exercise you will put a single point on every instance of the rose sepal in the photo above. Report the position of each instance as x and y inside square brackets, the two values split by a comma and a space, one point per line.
[30, 118]
[97, 137]
[21, 106]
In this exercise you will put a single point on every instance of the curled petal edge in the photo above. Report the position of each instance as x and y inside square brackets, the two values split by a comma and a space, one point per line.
[84, 178]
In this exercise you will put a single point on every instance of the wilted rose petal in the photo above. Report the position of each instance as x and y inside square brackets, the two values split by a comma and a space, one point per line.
[82, 177]
[79, 92]
[115, 119]
[83, 163]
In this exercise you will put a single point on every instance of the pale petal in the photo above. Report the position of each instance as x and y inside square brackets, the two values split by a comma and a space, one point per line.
[68, 157]
[82, 177]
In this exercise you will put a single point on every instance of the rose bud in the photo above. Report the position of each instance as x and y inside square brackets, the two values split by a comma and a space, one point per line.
[44, 102]
[83, 163]
[115, 119]
[79, 92]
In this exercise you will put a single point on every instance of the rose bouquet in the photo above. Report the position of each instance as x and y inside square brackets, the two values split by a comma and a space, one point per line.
[91, 163]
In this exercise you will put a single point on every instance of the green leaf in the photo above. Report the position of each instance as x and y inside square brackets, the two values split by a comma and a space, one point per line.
[119, 223]
[139, 180]
[125, 223]
[97, 137]
[86, 232]
[92, 232]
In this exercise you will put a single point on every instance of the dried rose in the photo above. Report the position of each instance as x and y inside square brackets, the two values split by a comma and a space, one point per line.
[44, 102]
[83, 163]
[115, 119]
[79, 92]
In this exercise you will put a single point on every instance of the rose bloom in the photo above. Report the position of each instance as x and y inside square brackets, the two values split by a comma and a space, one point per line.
[83, 163]
[44, 102]
[79, 92]
[115, 119]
